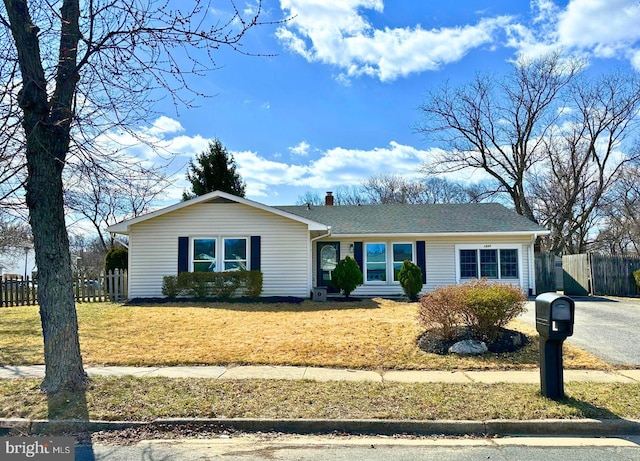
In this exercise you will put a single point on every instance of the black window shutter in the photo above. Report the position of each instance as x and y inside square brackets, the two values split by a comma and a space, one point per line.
[183, 254]
[358, 255]
[421, 259]
[255, 253]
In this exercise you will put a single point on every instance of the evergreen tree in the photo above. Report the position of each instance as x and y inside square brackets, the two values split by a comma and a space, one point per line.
[214, 169]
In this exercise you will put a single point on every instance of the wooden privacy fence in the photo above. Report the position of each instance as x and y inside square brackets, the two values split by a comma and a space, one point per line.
[600, 275]
[105, 287]
[545, 266]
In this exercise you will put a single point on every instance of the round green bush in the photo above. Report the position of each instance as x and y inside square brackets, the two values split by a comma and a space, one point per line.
[410, 278]
[347, 276]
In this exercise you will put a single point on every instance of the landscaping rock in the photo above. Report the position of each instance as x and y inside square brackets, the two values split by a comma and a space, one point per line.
[469, 347]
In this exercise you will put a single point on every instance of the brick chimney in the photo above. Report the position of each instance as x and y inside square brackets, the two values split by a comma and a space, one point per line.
[328, 200]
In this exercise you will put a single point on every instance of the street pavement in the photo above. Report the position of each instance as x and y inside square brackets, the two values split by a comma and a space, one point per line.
[349, 448]
[605, 327]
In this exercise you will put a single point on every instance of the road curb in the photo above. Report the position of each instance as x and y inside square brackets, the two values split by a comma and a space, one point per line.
[554, 427]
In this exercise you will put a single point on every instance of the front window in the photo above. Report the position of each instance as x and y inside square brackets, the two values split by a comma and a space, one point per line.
[380, 263]
[235, 254]
[509, 263]
[468, 264]
[491, 263]
[401, 252]
[204, 255]
[376, 262]
[220, 254]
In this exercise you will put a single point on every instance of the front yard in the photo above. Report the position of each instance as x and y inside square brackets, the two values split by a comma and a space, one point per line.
[371, 334]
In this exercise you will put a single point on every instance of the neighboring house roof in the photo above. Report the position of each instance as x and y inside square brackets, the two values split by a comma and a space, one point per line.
[466, 218]
[123, 227]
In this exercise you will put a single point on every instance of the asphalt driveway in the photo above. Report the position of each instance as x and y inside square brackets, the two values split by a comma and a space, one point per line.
[606, 327]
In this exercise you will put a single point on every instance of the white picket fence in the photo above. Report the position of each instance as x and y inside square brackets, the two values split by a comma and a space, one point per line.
[112, 286]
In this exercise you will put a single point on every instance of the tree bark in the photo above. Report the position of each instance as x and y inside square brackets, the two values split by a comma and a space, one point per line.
[47, 125]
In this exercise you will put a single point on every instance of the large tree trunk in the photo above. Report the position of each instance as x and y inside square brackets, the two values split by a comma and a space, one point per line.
[64, 369]
[47, 126]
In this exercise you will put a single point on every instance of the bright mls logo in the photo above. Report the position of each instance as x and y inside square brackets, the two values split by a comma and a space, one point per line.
[37, 448]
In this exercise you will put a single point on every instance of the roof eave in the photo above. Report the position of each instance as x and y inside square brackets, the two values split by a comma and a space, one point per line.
[443, 234]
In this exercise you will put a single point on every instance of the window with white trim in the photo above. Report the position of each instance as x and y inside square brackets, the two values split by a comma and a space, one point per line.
[204, 255]
[235, 254]
[500, 263]
[216, 254]
[376, 262]
[401, 252]
[379, 263]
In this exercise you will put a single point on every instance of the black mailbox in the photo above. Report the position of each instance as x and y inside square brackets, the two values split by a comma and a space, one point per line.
[554, 315]
[554, 321]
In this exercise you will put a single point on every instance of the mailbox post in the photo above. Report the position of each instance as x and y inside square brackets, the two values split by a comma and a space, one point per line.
[554, 322]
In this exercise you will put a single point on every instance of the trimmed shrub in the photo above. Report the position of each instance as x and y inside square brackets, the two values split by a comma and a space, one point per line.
[170, 287]
[116, 258]
[223, 285]
[636, 275]
[440, 310]
[490, 306]
[347, 276]
[195, 283]
[410, 278]
[253, 284]
[483, 306]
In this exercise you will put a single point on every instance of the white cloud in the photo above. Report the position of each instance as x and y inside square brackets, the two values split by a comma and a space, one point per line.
[264, 175]
[162, 126]
[300, 149]
[335, 167]
[605, 26]
[335, 32]
[600, 28]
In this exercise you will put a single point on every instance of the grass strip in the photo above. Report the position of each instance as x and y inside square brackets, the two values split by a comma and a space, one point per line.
[145, 399]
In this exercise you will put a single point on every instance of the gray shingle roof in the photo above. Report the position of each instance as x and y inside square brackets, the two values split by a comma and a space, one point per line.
[417, 219]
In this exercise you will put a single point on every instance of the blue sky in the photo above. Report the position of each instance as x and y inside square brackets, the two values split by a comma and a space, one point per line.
[338, 101]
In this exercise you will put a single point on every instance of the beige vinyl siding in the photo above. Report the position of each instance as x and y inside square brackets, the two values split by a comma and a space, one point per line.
[153, 246]
[440, 260]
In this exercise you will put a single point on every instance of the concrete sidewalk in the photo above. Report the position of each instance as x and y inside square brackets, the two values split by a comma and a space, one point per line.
[334, 374]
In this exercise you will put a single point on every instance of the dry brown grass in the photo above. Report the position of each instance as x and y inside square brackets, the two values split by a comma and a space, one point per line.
[145, 399]
[373, 334]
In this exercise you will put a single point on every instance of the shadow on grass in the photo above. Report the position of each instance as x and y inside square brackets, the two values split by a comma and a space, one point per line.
[21, 354]
[588, 410]
[274, 304]
[72, 412]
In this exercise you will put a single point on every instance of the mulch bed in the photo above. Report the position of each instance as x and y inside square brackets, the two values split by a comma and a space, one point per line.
[508, 341]
[191, 300]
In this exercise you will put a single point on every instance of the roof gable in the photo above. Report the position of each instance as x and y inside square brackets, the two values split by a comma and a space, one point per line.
[123, 227]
